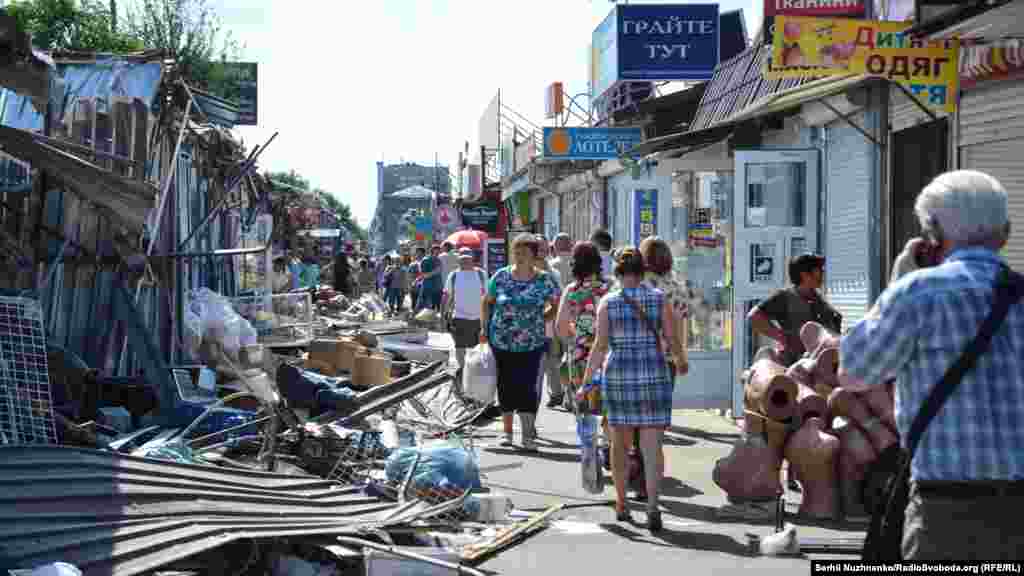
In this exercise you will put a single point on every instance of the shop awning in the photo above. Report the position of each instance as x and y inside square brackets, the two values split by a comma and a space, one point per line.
[979, 20]
[796, 97]
[684, 140]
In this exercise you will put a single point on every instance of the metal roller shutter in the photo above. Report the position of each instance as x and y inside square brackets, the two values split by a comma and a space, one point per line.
[847, 232]
[991, 140]
[1004, 160]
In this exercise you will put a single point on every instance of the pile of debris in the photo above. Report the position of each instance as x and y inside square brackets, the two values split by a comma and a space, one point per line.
[829, 436]
[348, 456]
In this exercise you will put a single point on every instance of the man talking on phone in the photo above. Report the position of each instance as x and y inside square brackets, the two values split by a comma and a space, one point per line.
[967, 473]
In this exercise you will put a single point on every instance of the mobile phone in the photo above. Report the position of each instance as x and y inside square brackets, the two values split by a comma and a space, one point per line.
[928, 252]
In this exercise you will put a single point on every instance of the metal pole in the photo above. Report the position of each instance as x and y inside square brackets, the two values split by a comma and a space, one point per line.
[249, 163]
[458, 568]
[166, 189]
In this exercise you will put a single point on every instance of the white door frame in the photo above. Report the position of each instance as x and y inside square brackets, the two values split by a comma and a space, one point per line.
[781, 242]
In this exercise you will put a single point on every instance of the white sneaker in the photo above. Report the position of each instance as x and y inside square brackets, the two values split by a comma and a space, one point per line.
[508, 442]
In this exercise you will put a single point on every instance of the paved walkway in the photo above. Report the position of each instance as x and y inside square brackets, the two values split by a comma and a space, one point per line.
[587, 538]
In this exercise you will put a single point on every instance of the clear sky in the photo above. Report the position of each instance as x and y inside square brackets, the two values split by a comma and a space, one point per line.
[351, 83]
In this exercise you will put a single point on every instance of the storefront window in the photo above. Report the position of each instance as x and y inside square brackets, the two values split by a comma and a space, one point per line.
[701, 243]
[775, 194]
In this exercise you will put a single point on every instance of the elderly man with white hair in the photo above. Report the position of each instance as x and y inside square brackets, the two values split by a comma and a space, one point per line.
[967, 473]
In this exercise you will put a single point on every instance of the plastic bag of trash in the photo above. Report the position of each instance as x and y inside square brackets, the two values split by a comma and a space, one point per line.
[219, 322]
[590, 466]
[480, 375]
[446, 466]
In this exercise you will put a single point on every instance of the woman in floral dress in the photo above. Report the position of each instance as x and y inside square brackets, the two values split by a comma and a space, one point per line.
[658, 274]
[577, 313]
[520, 298]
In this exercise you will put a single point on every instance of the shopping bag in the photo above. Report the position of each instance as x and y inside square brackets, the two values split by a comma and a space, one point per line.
[591, 474]
[480, 374]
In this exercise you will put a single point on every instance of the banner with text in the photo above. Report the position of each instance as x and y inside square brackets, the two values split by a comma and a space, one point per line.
[815, 47]
[816, 8]
[645, 211]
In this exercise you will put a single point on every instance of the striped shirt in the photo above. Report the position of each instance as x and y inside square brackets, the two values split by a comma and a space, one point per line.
[918, 329]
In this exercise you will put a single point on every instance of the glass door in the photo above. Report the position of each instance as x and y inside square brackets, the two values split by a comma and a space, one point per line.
[776, 218]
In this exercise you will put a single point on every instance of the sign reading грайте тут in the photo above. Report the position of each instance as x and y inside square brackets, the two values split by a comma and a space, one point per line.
[814, 47]
[655, 42]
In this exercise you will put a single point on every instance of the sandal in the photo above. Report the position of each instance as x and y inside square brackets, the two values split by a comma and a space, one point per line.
[623, 516]
[654, 521]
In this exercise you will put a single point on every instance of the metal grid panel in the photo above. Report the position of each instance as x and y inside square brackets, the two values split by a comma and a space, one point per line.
[26, 409]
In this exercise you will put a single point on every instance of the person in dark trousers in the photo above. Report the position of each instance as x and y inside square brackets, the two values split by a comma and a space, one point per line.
[342, 274]
[967, 474]
[603, 240]
[785, 312]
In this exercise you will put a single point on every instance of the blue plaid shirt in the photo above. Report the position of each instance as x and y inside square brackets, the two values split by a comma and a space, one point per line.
[920, 326]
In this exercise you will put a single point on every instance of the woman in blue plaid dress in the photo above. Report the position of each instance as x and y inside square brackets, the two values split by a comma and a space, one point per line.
[637, 394]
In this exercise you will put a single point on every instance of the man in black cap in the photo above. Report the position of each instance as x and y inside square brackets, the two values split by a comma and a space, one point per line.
[783, 314]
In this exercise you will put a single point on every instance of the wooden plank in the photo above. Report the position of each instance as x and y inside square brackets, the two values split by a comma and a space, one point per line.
[140, 139]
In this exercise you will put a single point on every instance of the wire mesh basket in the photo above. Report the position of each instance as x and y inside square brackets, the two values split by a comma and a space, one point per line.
[279, 319]
[26, 406]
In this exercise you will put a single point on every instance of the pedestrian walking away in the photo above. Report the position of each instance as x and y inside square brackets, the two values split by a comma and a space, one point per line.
[463, 297]
[577, 320]
[637, 378]
[520, 299]
[966, 484]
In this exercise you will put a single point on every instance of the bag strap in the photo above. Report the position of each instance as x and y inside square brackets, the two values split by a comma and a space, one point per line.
[1007, 292]
[638, 310]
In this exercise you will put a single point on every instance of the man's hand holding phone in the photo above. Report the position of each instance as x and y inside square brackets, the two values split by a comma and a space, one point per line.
[918, 253]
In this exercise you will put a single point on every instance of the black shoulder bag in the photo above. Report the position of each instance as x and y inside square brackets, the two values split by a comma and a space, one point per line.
[885, 535]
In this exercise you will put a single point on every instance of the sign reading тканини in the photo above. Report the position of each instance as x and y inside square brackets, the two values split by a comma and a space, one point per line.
[589, 143]
[655, 42]
[819, 8]
[815, 47]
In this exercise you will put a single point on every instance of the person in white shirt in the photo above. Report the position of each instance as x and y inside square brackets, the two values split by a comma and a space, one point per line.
[463, 292]
[562, 260]
[603, 240]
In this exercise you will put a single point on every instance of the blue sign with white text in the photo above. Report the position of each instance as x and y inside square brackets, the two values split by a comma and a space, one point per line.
[667, 42]
[590, 143]
[645, 214]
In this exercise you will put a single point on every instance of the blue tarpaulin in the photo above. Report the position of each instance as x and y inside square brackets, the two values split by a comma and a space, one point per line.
[108, 77]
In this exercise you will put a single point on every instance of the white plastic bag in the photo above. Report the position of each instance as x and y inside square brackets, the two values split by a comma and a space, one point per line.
[480, 375]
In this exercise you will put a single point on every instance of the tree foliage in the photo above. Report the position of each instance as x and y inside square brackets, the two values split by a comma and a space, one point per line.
[299, 192]
[76, 25]
[191, 32]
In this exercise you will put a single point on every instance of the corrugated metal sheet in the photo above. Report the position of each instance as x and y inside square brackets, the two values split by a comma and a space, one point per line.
[736, 84]
[113, 514]
[847, 232]
[992, 112]
[1004, 160]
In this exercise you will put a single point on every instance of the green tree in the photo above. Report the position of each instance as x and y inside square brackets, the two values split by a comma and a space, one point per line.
[191, 32]
[293, 191]
[81, 25]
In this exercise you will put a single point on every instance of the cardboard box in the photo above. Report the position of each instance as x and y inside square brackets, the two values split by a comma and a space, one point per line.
[338, 355]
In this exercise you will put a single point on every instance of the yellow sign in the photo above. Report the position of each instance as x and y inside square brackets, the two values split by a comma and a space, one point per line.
[815, 47]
